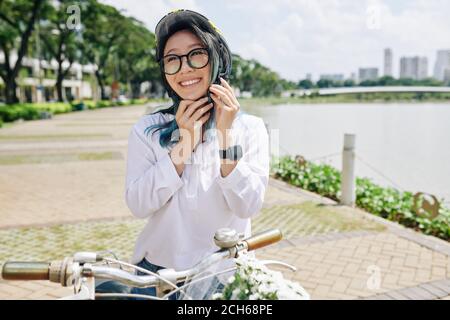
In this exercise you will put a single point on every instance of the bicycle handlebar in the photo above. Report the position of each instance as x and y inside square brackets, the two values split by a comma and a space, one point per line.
[26, 271]
[61, 271]
[263, 239]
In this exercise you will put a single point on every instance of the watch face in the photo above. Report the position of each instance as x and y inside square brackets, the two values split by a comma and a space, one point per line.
[232, 153]
[223, 154]
[236, 152]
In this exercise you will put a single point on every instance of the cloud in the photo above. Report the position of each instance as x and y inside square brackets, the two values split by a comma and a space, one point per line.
[295, 37]
[150, 12]
[339, 36]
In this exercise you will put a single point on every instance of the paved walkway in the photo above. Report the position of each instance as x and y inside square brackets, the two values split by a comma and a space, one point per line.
[61, 190]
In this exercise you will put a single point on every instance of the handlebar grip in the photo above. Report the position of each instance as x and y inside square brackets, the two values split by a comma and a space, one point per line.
[263, 239]
[26, 271]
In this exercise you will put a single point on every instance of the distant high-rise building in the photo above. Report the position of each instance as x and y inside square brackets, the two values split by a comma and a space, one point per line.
[388, 62]
[333, 77]
[309, 76]
[414, 67]
[447, 76]
[442, 65]
[367, 74]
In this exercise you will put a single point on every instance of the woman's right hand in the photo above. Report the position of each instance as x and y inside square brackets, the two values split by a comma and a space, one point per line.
[190, 117]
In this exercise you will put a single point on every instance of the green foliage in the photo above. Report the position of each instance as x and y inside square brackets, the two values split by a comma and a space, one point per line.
[54, 108]
[138, 46]
[326, 83]
[17, 20]
[305, 84]
[385, 202]
[32, 111]
[250, 75]
[60, 42]
[18, 111]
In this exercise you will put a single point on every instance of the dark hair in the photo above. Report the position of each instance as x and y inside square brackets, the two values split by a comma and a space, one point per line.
[220, 62]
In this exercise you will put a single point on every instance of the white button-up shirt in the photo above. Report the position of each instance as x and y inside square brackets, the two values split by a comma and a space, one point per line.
[185, 211]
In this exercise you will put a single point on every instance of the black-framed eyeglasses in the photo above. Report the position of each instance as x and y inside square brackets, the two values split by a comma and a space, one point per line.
[196, 58]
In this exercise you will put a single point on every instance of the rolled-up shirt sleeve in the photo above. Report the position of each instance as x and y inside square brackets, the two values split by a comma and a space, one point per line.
[150, 182]
[244, 187]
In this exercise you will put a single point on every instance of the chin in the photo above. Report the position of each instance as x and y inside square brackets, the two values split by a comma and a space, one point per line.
[194, 93]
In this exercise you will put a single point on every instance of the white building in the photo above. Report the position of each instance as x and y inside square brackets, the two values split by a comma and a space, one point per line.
[414, 67]
[388, 59]
[367, 74]
[37, 79]
[442, 66]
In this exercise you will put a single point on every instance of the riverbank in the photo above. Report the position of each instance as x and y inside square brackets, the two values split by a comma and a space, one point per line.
[386, 202]
[10, 114]
[349, 98]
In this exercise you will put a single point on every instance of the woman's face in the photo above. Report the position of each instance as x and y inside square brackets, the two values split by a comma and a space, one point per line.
[188, 83]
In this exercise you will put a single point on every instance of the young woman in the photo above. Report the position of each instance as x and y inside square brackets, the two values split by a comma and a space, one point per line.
[178, 173]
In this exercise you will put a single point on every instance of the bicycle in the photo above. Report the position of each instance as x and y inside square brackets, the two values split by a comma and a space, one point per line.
[81, 270]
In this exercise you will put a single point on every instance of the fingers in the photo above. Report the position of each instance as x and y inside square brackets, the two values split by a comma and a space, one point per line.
[230, 89]
[225, 84]
[201, 111]
[183, 106]
[220, 101]
[181, 110]
[223, 94]
[204, 118]
[193, 106]
[226, 88]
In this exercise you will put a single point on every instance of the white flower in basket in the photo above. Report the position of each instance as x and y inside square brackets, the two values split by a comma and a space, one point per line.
[254, 281]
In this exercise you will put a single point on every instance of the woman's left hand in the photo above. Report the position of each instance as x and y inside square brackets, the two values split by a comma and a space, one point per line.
[227, 106]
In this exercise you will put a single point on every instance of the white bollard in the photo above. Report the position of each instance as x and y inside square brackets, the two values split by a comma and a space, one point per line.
[348, 171]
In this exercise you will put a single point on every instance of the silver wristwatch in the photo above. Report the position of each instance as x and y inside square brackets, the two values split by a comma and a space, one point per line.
[232, 153]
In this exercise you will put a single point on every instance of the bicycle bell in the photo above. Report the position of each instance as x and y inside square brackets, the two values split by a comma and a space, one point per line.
[226, 238]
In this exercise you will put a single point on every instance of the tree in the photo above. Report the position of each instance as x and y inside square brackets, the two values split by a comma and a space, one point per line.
[103, 26]
[406, 82]
[368, 83]
[250, 75]
[325, 83]
[138, 47]
[61, 41]
[305, 84]
[387, 81]
[349, 83]
[17, 21]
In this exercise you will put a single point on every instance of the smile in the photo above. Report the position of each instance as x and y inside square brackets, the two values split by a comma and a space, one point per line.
[190, 82]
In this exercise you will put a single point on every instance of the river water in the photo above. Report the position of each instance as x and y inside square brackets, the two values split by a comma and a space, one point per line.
[406, 146]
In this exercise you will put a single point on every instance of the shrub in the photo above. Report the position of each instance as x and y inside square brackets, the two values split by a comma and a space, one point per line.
[385, 202]
[14, 112]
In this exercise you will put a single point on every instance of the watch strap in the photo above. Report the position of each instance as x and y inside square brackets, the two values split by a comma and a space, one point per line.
[232, 153]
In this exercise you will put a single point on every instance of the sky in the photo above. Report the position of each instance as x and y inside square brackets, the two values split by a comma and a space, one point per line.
[296, 37]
